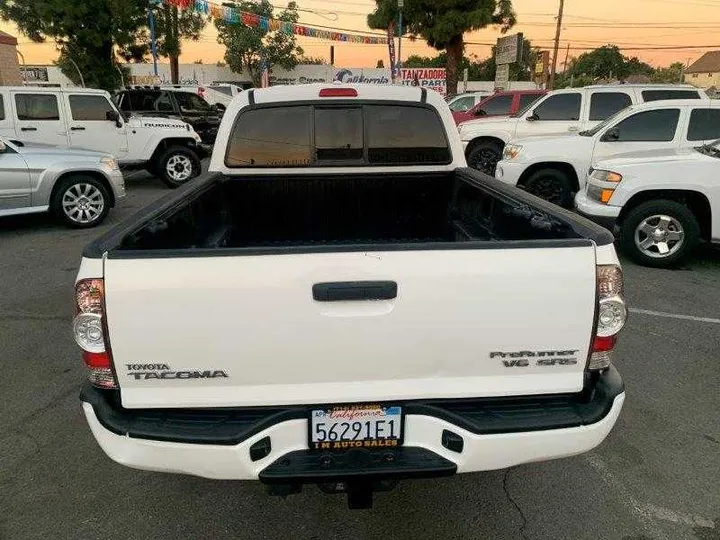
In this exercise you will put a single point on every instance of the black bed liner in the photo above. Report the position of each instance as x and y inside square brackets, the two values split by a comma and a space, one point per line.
[219, 215]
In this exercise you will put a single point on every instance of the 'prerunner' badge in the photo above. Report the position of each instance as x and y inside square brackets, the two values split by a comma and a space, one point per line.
[163, 371]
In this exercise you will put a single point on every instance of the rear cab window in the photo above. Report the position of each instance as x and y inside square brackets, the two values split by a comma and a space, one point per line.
[357, 134]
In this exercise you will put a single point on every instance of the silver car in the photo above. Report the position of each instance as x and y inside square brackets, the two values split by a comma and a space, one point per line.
[77, 186]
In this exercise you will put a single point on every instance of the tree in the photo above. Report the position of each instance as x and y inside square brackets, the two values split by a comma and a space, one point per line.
[86, 33]
[671, 74]
[247, 47]
[607, 62]
[171, 27]
[312, 61]
[442, 23]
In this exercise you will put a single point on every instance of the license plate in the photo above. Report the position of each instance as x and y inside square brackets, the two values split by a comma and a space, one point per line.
[356, 426]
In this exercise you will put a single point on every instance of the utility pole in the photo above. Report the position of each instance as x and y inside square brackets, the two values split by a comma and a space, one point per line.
[557, 44]
[401, 4]
[567, 55]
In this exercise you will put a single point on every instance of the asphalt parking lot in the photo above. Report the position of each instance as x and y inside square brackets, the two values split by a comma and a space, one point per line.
[657, 477]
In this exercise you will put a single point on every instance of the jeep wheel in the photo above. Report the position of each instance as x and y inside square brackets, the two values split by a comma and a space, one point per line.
[659, 233]
[80, 201]
[177, 166]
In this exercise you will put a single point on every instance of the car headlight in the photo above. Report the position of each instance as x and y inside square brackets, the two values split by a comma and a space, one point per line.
[512, 151]
[110, 162]
[605, 176]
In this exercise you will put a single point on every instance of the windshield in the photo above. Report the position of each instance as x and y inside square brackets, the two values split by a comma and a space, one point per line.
[604, 123]
[191, 102]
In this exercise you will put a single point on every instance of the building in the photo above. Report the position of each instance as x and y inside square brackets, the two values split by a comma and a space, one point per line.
[9, 65]
[705, 71]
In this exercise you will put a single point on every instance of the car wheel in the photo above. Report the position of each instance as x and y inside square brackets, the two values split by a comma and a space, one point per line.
[177, 166]
[552, 185]
[659, 233]
[484, 157]
[81, 201]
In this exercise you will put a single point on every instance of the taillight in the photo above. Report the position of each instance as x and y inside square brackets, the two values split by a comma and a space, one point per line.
[338, 92]
[612, 315]
[89, 331]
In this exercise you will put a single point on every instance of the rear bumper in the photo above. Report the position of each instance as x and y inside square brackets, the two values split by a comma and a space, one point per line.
[223, 443]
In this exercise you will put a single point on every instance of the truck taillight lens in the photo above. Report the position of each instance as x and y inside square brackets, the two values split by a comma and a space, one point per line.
[612, 315]
[89, 331]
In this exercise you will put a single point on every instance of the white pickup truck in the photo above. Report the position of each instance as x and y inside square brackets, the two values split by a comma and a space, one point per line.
[341, 302]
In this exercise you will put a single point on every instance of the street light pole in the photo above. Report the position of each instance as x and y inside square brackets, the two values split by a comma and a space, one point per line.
[401, 4]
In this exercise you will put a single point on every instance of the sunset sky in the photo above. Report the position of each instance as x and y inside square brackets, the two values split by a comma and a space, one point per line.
[587, 24]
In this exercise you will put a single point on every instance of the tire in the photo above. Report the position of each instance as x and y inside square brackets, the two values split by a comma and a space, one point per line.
[553, 185]
[177, 166]
[80, 201]
[484, 156]
[653, 223]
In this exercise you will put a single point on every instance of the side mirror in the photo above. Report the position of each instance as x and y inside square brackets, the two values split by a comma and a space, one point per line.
[611, 135]
[533, 117]
[2, 147]
[113, 116]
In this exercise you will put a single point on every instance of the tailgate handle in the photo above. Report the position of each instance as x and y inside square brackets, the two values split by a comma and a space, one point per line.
[354, 290]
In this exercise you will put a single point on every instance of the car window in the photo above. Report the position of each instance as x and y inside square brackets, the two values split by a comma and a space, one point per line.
[659, 125]
[37, 107]
[704, 125]
[222, 89]
[2, 108]
[498, 105]
[338, 134]
[463, 103]
[656, 95]
[88, 107]
[276, 136]
[302, 135]
[605, 104]
[191, 102]
[528, 99]
[559, 107]
[404, 135]
[163, 103]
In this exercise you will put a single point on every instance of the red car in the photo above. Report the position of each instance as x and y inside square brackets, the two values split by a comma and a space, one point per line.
[500, 104]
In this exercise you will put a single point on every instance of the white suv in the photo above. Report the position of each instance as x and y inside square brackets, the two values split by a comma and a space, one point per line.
[554, 167]
[570, 110]
[87, 119]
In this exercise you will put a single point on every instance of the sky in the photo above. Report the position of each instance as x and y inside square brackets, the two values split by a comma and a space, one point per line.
[649, 25]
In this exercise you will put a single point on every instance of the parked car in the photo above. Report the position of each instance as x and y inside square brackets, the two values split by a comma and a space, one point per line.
[466, 100]
[662, 202]
[220, 93]
[570, 110]
[86, 118]
[77, 186]
[554, 167]
[173, 102]
[500, 104]
[342, 246]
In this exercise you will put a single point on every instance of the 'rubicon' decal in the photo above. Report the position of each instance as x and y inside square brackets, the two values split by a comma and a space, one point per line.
[163, 371]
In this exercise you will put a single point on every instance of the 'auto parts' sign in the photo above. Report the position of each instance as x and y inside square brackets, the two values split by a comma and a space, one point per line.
[433, 78]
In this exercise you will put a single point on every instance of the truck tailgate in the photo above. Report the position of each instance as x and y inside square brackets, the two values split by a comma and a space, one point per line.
[246, 330]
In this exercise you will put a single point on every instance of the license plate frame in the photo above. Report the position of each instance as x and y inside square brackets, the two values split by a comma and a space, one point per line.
[357, 413]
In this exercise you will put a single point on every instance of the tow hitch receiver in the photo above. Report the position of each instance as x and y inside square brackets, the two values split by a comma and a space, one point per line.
[357, 472]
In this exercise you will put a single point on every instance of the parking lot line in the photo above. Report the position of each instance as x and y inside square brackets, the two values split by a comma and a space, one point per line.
[674, 315]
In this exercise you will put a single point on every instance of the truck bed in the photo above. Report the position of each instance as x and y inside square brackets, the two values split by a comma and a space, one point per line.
[402, 211]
